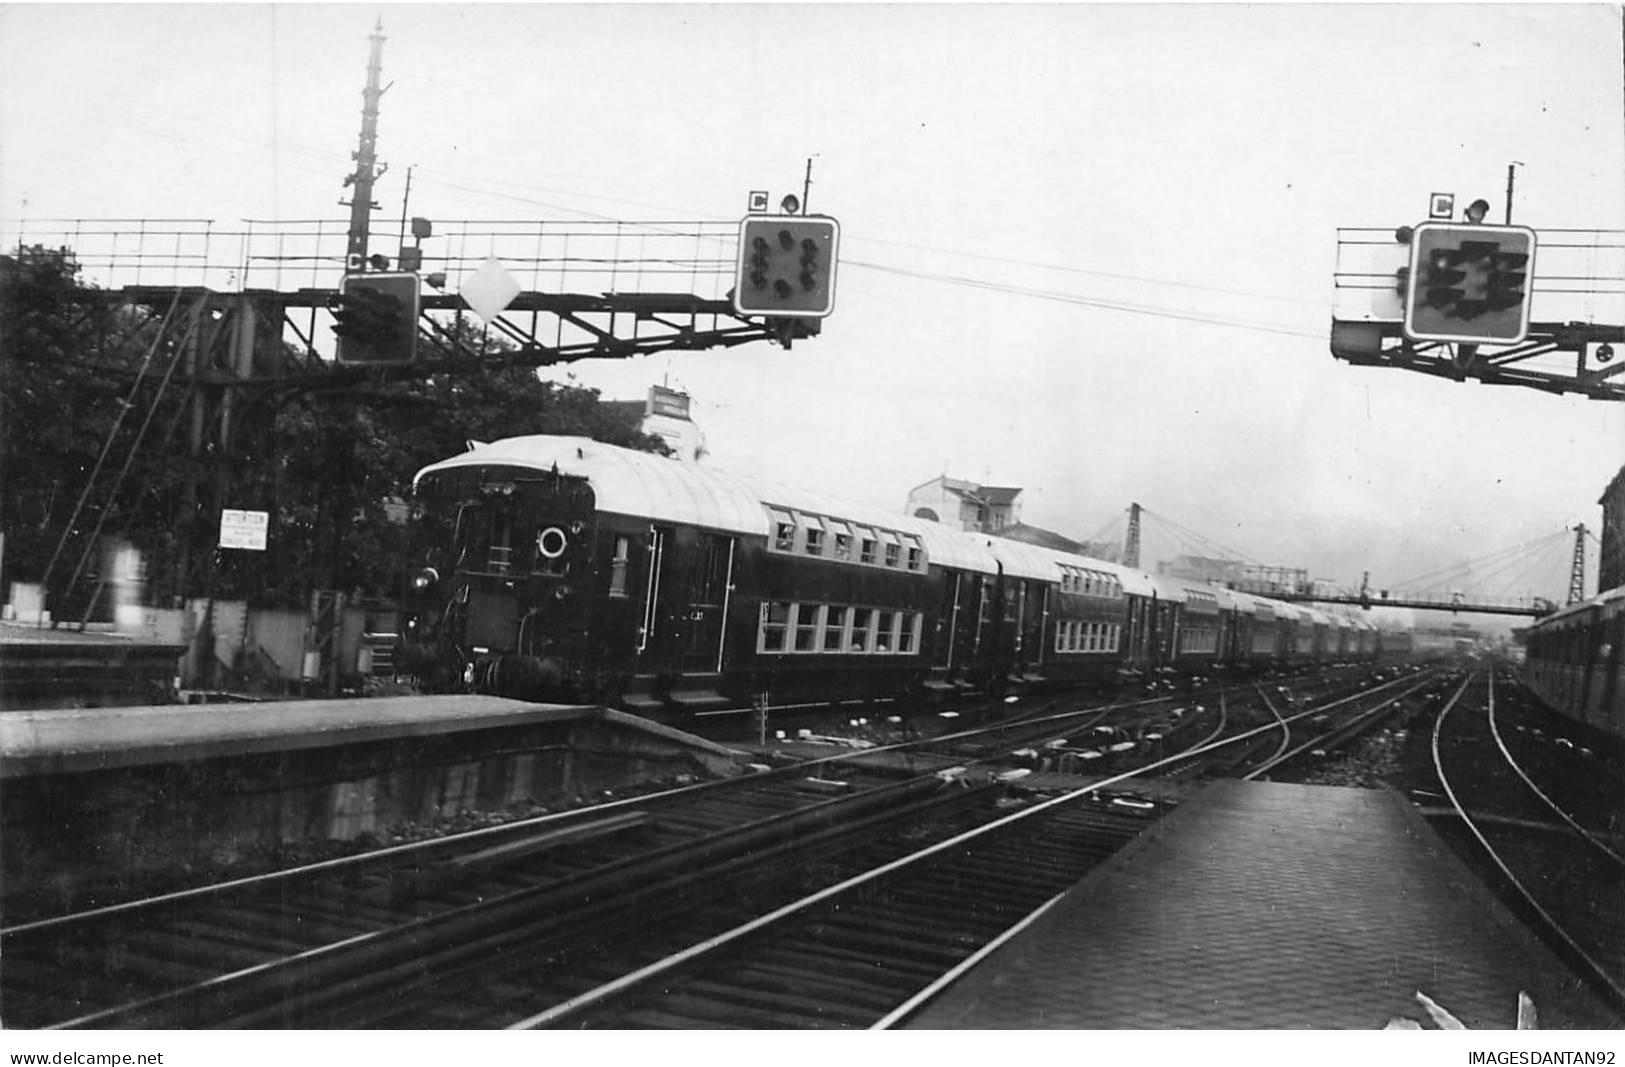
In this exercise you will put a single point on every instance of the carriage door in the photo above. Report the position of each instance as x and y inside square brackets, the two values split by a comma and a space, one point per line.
[651, 634]
[947, 632]
[1139, 623]
[704, 592]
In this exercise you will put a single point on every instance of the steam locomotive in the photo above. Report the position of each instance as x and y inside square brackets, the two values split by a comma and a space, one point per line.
[559, 568]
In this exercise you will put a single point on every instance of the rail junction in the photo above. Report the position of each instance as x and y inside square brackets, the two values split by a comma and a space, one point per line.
[821, 881]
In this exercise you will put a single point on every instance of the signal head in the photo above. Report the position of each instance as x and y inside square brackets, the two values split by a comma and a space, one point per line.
[786, 266]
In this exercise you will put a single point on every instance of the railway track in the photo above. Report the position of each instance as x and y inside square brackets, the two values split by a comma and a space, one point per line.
[1539, 817]
[197, 956]
[868, 951]
[355, 941]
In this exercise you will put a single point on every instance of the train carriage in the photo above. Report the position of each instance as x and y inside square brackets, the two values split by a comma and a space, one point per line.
[836, 588]
[1028, 580]
[1321, 635]
[1235, 626]
[1607, 707]
[1197, 644]
[1575, 664]
[1140, 648]
[1299, 636]
[1265, 641]
[562, 568]
[1085, 628]
[961, 635]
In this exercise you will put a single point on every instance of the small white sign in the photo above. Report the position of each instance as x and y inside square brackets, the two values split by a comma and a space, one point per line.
[491, 289]
[244, 529]
[758, 201]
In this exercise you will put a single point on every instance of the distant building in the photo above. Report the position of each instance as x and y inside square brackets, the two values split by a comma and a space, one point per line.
[1451, 637]
[1611, 561]
[954, 502]
[665, 414]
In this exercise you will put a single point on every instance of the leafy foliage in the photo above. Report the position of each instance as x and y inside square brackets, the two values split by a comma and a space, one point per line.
[82, 392]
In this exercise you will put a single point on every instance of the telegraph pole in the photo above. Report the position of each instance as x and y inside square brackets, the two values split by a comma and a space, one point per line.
[366, 158]
[1510, 166]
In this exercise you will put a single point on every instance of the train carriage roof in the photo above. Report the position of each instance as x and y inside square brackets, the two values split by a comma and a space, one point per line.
[1134, 581]
[947, 547]
[1025, 560]
[627, 482]
[1167, 588]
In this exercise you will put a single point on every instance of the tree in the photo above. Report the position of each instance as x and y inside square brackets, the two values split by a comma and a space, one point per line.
[80, 385]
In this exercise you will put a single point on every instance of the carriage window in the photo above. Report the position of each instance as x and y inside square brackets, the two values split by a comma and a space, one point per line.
[916, 555]
[784, 530]
[894, 551]
[774, 621]
[885, 638]
[617, 566]
[835, 628]
[908, 636]
[814, 542]
[841, 539]
[868, 546]
[500, 556]
[860, 629]
[808, 622]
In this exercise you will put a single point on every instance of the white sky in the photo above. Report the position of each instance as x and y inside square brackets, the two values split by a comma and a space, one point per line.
[1053, 148]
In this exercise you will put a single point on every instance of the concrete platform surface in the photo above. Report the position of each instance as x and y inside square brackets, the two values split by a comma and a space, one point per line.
[1272, 906]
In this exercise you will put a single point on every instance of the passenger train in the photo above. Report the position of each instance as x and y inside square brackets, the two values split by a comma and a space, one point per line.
[560, 568]
[1573, 661]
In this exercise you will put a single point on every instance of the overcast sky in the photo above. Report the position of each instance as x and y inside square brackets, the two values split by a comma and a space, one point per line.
[1118, 223]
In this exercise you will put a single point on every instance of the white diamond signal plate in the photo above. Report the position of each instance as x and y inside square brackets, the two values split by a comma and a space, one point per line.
[490, 290]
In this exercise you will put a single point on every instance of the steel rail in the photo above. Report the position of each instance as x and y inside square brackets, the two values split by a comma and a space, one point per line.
[963, 967]
[1506, 753]
[458, 924]
[333, 955]
[626, 982]
[453, 841]
[1359, 721]
[1286, 727]
[1596, 971]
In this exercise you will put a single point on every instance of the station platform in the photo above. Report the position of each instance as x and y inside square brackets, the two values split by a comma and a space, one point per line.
[41, 667]
[1272, 906]
[77, 740]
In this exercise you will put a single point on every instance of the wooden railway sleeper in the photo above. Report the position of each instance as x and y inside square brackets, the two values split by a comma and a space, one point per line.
[380, 952]
[589, 927]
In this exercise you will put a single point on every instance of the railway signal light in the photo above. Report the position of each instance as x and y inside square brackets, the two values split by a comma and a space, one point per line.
[786, 265]
[1469, 283]
[375, 317]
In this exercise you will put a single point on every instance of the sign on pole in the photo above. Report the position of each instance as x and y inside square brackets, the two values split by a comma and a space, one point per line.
[244, 529]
